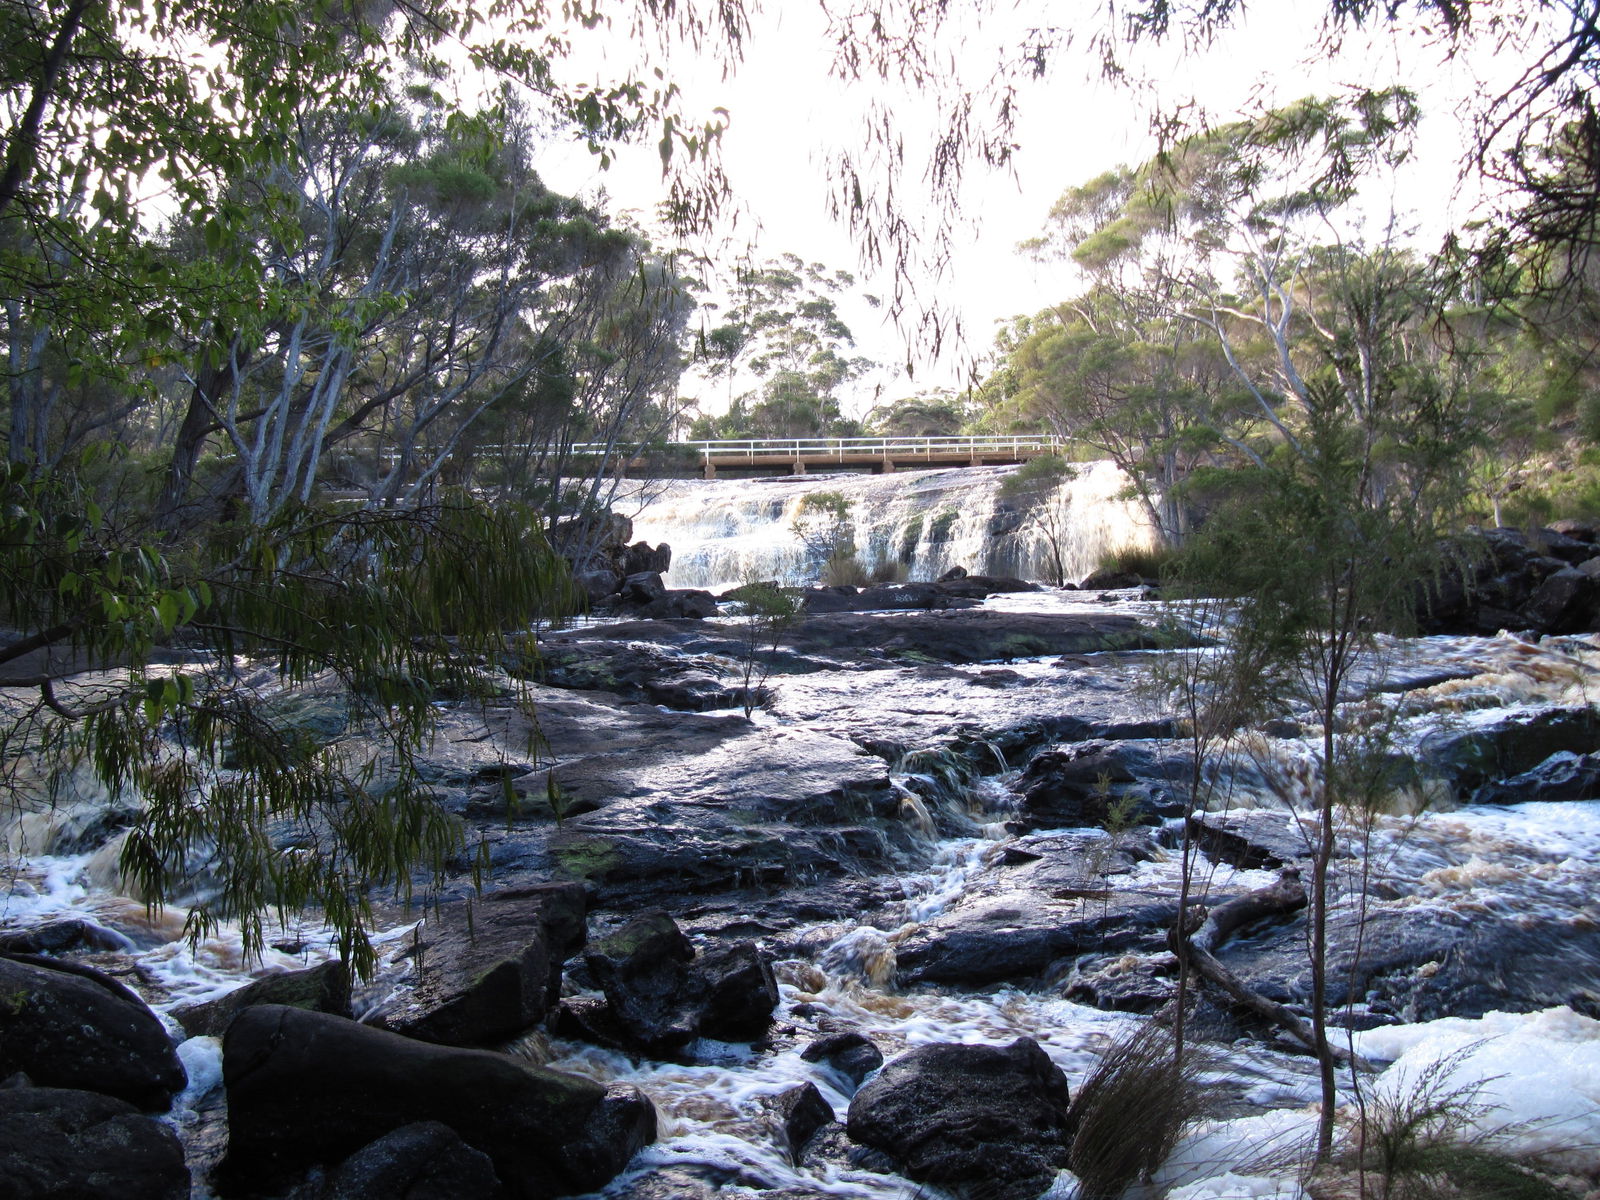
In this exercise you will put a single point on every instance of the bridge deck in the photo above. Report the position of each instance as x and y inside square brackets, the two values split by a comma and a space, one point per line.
[880, 455]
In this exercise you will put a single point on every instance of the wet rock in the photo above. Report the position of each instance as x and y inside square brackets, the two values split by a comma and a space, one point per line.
[1019, 924]
[62, 937]
[1251, 840]
[489, 973]
[1125, 983]
[698, 693]
[642, 558]
[1083, 784]
[851, 1055]
[644, 587]
[69, 1026]
[1563, 776]
[643, 969]
[1469, 758]
[687, 604]
[1427, 963]
[740, 992]
[662, 996]
[990, 1115]
[425, 1161]
[61, 1144]
[323, 988]
[306, 1088]
[798, 1113]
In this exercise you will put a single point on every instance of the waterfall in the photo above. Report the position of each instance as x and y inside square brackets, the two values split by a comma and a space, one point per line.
[726, 531]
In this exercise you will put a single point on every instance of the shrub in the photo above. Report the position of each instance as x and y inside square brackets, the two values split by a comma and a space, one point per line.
[1131, 1111]
[843, 569]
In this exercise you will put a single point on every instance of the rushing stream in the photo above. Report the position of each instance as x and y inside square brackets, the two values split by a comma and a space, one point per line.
[1536, 864]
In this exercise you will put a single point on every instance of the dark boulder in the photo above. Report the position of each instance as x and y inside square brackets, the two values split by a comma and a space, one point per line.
[307, 1088]
[688, 604]
[642, 557]
[1080, 785]
[661, 996]
[69, 1026]
[425, 1161]
[324, 988]
[851, 1055]
[989, 1115]
[643, 969]
[643, 587]
[490, 973]
[1563, 776]
[797, 1113]
[1497, 579]
[739, 992]
[59, 1144]
[62, 937]
[1469, 758]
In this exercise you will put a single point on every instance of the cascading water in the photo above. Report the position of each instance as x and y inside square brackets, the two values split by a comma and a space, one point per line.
[727, 531]
[1533, 862]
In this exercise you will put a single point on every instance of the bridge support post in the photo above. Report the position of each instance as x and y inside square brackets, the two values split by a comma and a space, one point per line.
[711, 469]
[888, 467]
[799, 466]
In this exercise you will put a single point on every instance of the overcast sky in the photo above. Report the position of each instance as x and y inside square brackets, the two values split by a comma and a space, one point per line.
[787, 115]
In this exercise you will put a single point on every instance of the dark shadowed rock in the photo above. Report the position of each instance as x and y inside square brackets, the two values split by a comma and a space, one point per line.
[1563, 776]
[323, 988]
[851, 1055]
[990, 1115]
[1469, 758]
[1251, 840]
[643, 587]
[740, 992]
[797, 1113]
[1079, 785]
[642, 557]
[69, 1026]
[690, 604]
[491, 973]
[58, 1144]
[306, 1088]
[425, 1161]
[643, 969]
[661, 996]
[62, 937]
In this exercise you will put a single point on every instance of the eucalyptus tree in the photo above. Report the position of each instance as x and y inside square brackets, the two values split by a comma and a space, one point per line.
[783, 328]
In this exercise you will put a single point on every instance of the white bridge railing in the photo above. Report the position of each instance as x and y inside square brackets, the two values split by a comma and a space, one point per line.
[847, 449]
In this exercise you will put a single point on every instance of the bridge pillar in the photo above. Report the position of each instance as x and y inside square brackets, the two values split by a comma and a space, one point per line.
[711, 469]
[799, 466]
[886, 467]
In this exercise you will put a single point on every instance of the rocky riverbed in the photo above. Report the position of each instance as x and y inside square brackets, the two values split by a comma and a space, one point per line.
[945, 840]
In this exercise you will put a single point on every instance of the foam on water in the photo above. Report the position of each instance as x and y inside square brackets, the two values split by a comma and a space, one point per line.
[1532, 1080]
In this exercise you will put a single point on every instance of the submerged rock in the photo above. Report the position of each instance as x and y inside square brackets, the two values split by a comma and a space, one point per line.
[69, 1026]
[306, 1088]
[995, 1116]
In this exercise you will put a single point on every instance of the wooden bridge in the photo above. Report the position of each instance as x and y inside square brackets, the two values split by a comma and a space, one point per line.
[796, 456]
